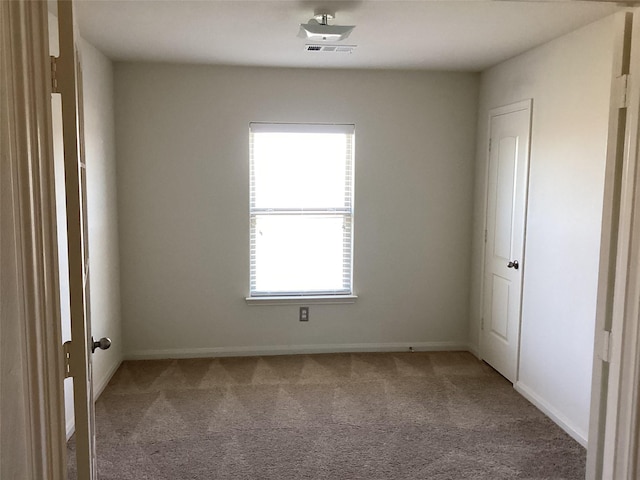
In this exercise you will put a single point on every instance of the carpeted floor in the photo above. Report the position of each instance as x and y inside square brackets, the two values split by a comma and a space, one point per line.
[338, 416]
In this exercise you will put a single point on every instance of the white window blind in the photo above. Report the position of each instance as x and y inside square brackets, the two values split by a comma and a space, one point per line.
[301, 209]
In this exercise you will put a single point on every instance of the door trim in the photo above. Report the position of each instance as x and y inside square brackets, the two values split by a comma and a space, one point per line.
[615, 421]
[608, 248]
[527, 105]
[26, 89]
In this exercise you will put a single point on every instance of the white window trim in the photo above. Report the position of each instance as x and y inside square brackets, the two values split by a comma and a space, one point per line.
[303, 300]
[321, 297]
[274, 127]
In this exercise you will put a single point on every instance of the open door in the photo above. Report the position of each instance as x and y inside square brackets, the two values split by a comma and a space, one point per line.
[68, 82]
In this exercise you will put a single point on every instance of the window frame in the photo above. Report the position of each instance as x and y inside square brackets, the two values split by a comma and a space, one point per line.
[256, 297]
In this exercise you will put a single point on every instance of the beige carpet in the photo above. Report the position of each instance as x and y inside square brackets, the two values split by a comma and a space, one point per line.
[340, 416]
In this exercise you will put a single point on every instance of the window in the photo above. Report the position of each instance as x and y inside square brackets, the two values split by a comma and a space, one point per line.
[301, 209]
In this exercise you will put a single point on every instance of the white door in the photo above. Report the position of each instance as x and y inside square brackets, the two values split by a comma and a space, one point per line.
[505, 234]
[81, 346]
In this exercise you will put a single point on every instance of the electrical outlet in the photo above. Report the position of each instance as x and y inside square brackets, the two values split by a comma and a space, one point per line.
[304, 314]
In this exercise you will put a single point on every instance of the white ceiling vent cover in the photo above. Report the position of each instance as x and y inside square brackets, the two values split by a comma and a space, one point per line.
[313, 47]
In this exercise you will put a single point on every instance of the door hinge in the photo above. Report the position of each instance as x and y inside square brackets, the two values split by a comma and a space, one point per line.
[482, 323]
[67, 359]
[485, 235]
[622, 90]
[489, 145]
[54, 74]
[605, 352]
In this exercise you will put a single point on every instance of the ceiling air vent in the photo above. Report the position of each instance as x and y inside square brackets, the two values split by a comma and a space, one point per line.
[314, 47]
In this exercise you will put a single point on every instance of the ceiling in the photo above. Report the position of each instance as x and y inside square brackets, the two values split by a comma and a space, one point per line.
[389, 34]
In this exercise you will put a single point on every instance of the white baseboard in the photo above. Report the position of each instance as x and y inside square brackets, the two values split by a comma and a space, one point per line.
[562, 421]
[474, 350]
[71, 428]
[98, 388]
[294, 349]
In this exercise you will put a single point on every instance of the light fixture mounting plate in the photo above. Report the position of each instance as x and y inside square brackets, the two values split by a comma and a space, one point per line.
[323, 18]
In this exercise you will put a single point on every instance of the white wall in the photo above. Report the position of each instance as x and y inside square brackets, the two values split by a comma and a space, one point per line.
[101, 212]
[569, 81]
[183, 190]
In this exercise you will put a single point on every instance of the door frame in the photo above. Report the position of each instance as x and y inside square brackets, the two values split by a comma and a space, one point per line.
[615, 407]
[526, 104]
[25, 90]
[608, 248]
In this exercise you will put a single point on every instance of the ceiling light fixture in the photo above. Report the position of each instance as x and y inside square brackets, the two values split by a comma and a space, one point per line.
[318, 29]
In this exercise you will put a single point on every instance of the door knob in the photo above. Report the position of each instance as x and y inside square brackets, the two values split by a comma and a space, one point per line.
[513, 264]
[103, 344]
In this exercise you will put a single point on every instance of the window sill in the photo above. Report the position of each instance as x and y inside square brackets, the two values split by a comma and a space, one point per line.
[302, 300]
